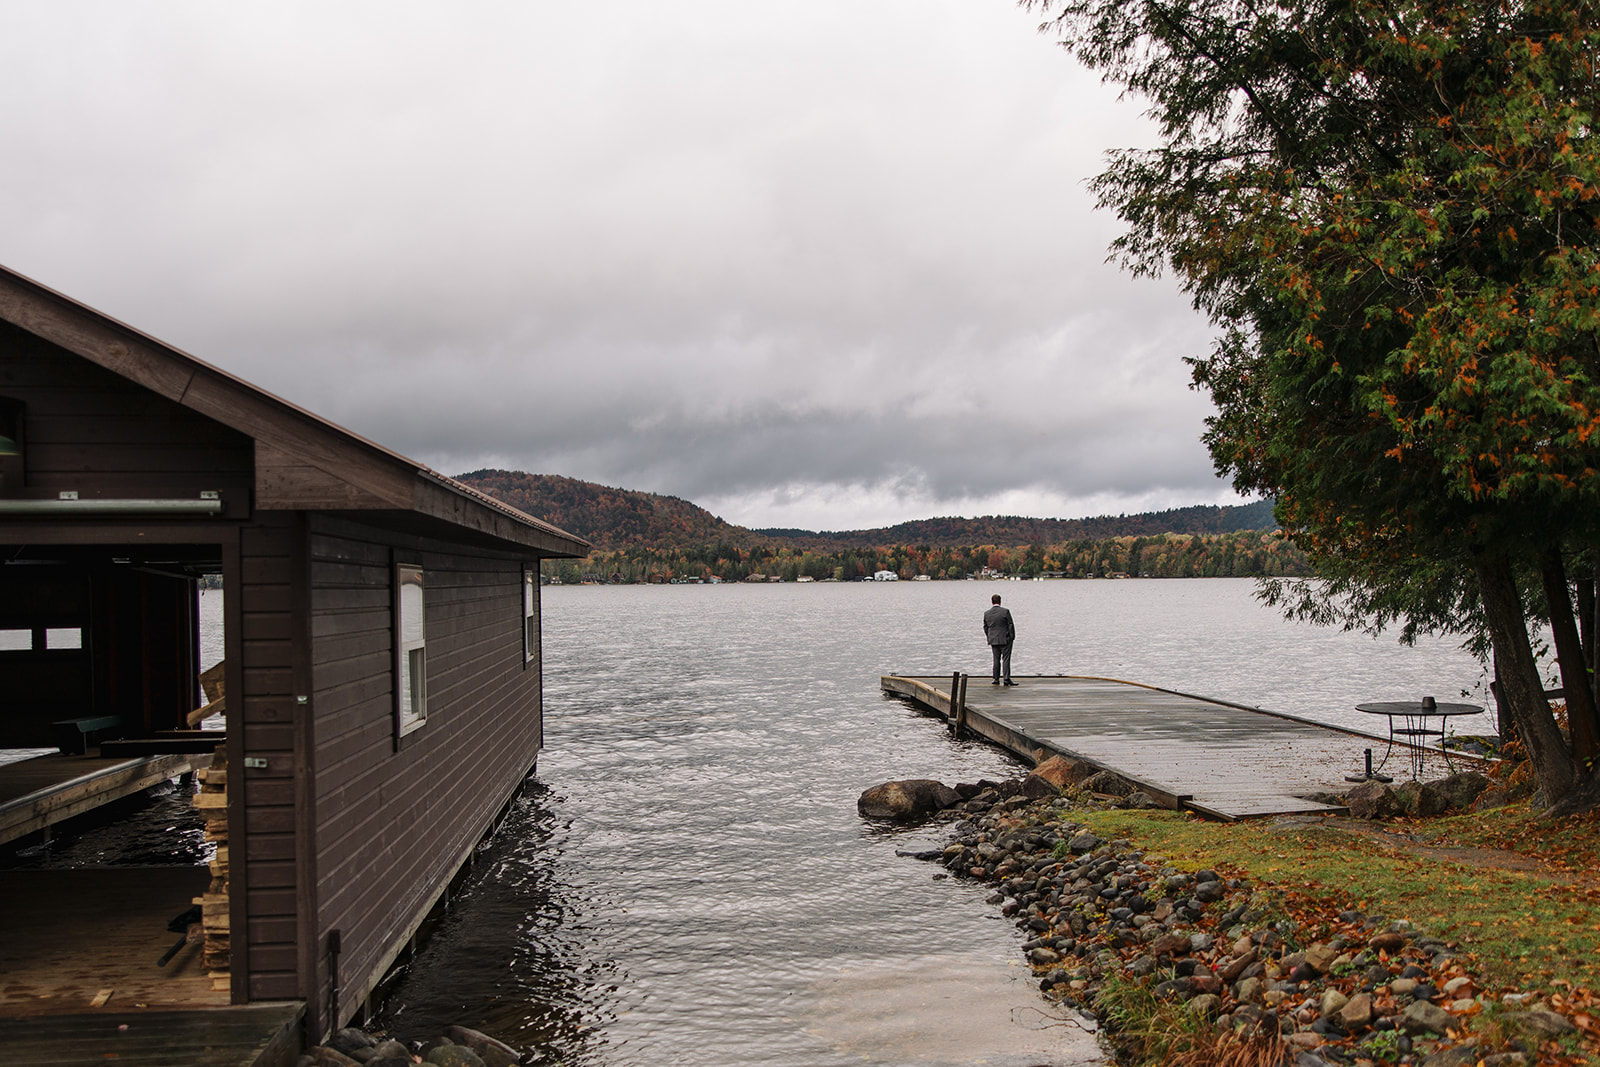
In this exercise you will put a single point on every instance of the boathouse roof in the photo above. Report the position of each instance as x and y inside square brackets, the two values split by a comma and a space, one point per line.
[302, 461]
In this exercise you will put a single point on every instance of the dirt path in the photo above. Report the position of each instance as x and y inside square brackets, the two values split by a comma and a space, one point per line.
[1402, 841]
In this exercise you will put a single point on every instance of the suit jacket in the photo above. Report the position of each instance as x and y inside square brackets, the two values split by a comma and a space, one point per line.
[998, 627]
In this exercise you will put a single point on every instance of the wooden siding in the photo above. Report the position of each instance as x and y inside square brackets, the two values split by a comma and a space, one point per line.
[265, 967]
[393, 826]
[91, 430]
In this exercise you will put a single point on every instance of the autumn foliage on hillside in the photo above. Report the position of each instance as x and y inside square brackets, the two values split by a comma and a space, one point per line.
[605, 517]
[645, 537]
[620, 518]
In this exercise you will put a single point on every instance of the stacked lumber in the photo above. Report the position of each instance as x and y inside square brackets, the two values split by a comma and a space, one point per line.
[212, 803]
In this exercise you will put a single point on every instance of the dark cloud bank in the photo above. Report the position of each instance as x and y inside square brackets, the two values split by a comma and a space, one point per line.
[830, 266]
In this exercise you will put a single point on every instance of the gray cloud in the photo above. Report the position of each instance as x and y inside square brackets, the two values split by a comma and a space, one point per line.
[824, 265]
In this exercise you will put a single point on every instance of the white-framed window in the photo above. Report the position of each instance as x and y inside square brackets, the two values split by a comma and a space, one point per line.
[530, 612]
[63, 637]
[411, 655]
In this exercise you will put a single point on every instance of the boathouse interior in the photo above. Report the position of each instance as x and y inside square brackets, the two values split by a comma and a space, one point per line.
[102, 636]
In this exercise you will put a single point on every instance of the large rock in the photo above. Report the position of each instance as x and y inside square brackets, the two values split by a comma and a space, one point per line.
[494, 1053]
[1372, 800]
[1062, 772]
[322, 1056]
[904, 800]
[1170, 944]
[1490, 799]
[1543, 1025]
[350, 1041]
[1462, 788]
[1321, 957]
[1036, 787]
[1421, 1017]
[454, 1056]
[1357, 1013]
[1422, 799]
[1108, 784]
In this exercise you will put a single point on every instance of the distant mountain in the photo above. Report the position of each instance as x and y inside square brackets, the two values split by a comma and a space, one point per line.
[607, 518]
[1010, 530]
[617, 518]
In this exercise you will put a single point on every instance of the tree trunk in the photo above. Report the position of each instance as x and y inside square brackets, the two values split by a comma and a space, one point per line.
[1586, 619]
[1581, 722]
[1505, 722]
[1519, 677]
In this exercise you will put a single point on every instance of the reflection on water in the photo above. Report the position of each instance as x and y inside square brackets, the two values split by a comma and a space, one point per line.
[688, 881]
[157, 827]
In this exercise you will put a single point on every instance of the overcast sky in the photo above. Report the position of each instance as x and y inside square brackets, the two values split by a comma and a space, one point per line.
[827, 265]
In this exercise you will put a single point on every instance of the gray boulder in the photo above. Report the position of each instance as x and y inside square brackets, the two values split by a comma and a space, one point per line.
[1462, 788]
[493, 1053]
[1422, 799]
[1372, 800]
[322, 1056]
[1491, 798]
[454, 1056]
[904, 800]
[1037, 787]
[1108, 784]
[350, 1041]
[1421, 1017]
[1543, 1025]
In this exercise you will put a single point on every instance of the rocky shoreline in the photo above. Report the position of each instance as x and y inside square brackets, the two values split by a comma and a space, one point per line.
[1106, 923]
[457, 1046]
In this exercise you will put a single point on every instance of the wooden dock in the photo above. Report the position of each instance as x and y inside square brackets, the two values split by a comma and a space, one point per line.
[1223, 760]
[250, 1035]
[83, 984]
[39, 792]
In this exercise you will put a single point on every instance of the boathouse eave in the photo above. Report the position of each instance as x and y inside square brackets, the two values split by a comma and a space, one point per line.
[303, 461]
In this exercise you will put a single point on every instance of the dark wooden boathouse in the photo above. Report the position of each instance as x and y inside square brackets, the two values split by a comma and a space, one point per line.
[382, 666]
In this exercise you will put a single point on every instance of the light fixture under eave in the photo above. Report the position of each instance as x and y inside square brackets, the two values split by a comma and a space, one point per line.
[73, 506]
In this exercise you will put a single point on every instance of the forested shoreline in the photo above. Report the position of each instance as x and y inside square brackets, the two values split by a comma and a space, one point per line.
[1245, 554]
[642, 537]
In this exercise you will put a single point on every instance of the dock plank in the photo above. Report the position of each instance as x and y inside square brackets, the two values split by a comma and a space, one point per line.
[48, 789]
[40, 792]
[1221, 759]
[253, 1035]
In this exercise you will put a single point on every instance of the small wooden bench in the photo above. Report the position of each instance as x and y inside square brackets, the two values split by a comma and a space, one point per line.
[74, 736]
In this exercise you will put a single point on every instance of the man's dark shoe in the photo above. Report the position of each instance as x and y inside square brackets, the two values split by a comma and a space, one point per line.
[1010, 682]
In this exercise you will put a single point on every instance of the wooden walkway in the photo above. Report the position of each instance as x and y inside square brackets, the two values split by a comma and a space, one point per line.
[1220, 759]
[82, 984]
[251, 1035]
[39, 792]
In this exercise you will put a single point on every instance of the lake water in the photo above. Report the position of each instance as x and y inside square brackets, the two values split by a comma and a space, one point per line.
[687, 880]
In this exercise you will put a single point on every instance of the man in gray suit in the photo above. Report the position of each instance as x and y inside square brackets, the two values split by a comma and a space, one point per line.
[1000, 632]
